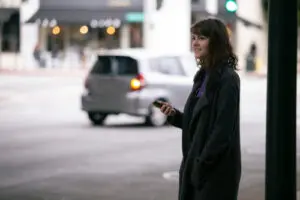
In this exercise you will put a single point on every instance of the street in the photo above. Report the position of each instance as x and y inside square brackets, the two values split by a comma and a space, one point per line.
[49, 150]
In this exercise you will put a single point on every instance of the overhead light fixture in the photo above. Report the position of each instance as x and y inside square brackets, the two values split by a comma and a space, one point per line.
[84, 30]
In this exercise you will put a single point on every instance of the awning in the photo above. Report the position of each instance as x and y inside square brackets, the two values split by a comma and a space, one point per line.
[5, 13]
[91, 4]
[83, 12]
[248, 23]
[80, 17]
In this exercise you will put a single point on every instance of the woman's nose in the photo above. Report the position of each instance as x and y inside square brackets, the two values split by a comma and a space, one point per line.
[195, 43]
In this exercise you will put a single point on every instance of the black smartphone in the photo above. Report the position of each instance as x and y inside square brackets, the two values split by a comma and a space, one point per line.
[157, 104]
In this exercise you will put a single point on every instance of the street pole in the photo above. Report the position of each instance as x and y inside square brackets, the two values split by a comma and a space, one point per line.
[1, 39]
[281, 101]
[149, 11]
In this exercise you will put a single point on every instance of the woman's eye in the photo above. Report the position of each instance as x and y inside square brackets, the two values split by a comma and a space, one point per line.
[195, 37]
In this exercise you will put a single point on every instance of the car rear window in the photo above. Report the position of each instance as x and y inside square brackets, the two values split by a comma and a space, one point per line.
[119, 65]
[103, 65]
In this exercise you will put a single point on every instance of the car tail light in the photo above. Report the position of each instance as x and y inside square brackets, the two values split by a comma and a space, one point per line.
[137, 83]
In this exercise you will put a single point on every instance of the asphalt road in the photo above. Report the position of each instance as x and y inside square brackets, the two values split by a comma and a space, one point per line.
[49, 151]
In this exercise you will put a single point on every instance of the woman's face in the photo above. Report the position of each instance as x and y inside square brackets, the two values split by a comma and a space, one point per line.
[200, 46]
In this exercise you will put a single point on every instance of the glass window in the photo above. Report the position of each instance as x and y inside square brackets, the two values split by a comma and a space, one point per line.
[136, 35]
[102, 66]
[11, 34]
[171, 66]
[167, 65]
[126, 65]
[189, 64]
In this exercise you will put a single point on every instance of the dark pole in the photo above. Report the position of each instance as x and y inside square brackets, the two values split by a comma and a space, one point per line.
[281, 101]
[1, 40]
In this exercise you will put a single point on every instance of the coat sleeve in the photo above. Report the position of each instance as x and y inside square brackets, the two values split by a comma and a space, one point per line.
[176, 120]
[227, 109]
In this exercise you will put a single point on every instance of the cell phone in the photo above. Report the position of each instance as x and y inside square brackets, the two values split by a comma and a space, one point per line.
[157, 104]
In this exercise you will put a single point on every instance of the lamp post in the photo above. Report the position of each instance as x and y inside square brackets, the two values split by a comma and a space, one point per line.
[281, 101]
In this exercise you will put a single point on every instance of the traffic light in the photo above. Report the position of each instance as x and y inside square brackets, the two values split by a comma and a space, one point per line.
[231, 6]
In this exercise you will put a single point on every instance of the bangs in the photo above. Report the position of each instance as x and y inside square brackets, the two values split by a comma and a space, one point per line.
[203, 28]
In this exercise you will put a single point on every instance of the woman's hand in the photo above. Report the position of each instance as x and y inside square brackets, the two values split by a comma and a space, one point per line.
[167, 109]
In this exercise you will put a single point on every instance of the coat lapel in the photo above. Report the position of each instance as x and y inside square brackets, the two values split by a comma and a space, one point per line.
[204, 100]
[199, 106]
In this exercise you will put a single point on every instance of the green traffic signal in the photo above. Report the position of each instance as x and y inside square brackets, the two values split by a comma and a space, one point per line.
[231, 6]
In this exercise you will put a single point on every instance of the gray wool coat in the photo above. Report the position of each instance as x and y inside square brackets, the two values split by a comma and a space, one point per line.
[211, 163]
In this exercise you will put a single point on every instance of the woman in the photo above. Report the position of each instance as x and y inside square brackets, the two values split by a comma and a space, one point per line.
[211, 164]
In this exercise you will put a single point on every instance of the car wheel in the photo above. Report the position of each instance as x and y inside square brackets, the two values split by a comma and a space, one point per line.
[97, 118]
[156, 117]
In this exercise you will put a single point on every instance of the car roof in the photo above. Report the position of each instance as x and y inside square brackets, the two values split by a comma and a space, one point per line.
[138, 53]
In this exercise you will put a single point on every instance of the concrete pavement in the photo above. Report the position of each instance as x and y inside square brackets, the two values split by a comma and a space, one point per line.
[51, 152]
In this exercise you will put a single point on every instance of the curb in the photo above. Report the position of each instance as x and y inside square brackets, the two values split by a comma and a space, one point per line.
[44, 72]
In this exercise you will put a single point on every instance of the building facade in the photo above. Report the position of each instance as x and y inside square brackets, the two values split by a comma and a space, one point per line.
[67, 32]
[9, 31]
[249, 35]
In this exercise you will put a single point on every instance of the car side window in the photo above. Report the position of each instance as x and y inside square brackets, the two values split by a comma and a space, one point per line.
[154, 65]
[126, 65]
[167, 66]
[189, 65]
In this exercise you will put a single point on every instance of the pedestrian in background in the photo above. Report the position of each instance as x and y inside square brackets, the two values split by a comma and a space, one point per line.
[38, 56]
[211, 164]
[251, 58]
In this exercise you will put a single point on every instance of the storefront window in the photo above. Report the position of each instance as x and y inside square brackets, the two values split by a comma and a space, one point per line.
[11, 34]
[112, 38]
[136, 35]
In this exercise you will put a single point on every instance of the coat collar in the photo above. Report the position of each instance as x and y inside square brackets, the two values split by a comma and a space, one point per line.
[213, 82]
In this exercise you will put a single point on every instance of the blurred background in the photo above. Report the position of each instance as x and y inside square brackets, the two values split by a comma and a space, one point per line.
[77, 79]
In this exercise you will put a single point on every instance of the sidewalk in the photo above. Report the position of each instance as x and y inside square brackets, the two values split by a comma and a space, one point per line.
[244, 74]
[44, 72]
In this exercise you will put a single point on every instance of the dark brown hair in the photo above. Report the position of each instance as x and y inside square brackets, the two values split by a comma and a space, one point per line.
[219, 46]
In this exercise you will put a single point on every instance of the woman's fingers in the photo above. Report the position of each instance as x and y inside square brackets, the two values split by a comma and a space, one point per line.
[163, 108]
[173, 112]
[167, 109]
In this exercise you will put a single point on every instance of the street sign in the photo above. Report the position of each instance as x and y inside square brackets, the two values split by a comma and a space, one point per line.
[134, 17]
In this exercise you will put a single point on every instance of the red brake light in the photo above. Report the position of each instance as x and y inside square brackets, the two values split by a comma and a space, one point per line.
[137, 83]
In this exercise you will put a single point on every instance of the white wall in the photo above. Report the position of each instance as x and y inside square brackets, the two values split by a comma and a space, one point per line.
[29, 33]
[171, 27]
[148, 25]
[252, 11]
[10, 60]
[125, 36]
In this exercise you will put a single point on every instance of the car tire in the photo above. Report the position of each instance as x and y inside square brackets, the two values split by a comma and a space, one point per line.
[155, 118]
[97, 118]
